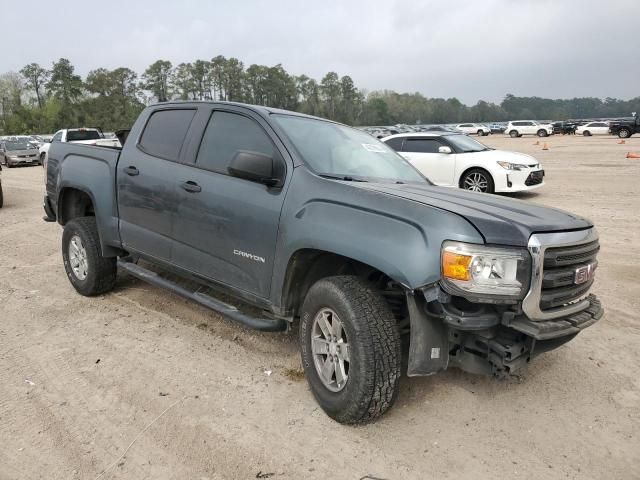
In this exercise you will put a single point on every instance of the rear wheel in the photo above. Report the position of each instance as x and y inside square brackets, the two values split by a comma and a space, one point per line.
[89, 272]
[624, 133]
[542, 133]
[514, 134]
[350, 348]
[477, 180]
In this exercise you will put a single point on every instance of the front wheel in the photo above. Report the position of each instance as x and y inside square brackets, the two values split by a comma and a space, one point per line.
[586, 133]
[542, 133]
[89, 272]
[624, 133]
[477, 180]
[481, 133]
[1, 196]
[350, 347]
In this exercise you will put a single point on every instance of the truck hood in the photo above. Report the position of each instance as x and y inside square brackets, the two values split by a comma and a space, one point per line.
[500, 220]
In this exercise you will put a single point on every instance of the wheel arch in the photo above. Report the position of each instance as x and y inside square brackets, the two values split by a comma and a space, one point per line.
[308, 265]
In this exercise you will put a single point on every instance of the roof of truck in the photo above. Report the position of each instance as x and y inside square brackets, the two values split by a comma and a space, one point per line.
[258, 108]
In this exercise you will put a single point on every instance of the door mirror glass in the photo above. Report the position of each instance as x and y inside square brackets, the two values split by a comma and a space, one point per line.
[255, 167]
[444, 149]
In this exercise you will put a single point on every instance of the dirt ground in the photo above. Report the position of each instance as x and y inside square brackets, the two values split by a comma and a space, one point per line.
[147, 386]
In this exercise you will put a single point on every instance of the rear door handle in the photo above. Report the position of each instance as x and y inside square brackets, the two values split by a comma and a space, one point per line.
[132, 171]
[191, 187]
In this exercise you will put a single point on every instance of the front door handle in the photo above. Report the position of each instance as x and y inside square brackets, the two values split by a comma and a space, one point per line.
[132, 171]
[191, 187]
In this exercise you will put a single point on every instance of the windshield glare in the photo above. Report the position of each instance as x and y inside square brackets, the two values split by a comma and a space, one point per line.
[466, 144]
[340, 151]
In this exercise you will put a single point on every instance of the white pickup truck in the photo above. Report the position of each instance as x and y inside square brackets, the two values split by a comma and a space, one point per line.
[87, 136]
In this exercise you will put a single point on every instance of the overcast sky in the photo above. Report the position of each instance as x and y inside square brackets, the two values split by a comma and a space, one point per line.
[467, 49]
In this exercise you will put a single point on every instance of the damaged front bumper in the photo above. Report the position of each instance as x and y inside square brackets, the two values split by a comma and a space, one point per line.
[487, 339]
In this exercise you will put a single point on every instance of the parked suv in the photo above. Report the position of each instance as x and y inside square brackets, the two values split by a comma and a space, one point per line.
[471, 128]
[312, 222]
[528, 127]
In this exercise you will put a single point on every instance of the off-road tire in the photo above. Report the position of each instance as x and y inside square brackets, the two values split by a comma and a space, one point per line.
[514, 134]
[624, 133]
[101, 272]
[374, 343]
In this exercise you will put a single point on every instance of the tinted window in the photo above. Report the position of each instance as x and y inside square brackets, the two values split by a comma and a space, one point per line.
[466, 125]
[395, 143]
[165, 132]
[57, 137]
[228, 133]
[421, 145]
[80, 135]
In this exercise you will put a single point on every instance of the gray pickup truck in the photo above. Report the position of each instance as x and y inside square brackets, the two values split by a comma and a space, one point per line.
[295, 219]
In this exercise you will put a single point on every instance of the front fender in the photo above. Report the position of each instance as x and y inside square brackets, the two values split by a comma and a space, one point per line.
[396, 236]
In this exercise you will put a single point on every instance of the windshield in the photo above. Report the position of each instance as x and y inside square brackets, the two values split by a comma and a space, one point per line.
[12, 146]
[334, 150]
[80, 135]
[466, 144]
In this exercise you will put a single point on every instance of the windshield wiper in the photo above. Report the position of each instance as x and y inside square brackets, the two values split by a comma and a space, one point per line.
[346, 178]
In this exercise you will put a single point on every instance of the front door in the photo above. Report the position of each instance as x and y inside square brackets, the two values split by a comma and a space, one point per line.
[225, 227]
[424, 155]
[146, 176]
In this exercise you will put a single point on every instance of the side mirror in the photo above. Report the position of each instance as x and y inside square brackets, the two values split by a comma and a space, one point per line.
[444, 149]
[256, 167]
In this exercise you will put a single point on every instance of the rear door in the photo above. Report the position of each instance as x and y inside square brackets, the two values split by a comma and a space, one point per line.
[423, 154]
[146, 176]
[226, 227]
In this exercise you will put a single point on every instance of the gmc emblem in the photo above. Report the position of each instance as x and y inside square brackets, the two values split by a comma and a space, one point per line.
[584, 274]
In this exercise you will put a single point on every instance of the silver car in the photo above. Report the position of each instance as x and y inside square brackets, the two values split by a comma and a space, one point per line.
[18, 152]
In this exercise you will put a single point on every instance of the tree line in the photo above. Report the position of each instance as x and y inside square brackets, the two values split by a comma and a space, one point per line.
[40, 100]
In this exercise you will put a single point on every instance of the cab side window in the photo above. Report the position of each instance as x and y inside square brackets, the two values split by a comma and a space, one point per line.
[226, 135]
[421, 145]
[165, 132]
[57, 137]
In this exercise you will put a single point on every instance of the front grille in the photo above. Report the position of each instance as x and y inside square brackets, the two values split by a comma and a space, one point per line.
[534, 178]
[559, 272]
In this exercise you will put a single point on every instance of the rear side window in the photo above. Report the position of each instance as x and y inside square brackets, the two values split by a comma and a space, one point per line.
[420, 145]
[165, 132]
[227, 134]
[80, 135]
[395, 143]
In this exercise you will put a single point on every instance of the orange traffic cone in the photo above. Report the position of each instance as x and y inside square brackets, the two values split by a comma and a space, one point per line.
[621, 142]
[545, 146]
[537, 142]
[633, 155]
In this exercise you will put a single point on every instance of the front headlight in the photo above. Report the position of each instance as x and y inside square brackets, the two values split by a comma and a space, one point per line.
[512, 166]
[483, 270]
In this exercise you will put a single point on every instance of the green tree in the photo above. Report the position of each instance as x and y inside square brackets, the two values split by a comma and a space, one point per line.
[36, 78]
[156, 79]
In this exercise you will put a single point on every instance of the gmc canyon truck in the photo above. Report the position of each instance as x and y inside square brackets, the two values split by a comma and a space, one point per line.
[296, 219]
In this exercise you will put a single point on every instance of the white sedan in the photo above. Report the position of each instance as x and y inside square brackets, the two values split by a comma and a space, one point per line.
[593, 128]
[455, 160]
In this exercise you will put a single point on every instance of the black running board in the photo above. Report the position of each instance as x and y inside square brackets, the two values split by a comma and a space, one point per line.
[229, 311]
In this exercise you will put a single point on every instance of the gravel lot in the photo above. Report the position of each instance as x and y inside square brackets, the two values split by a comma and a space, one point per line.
[148, 386]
